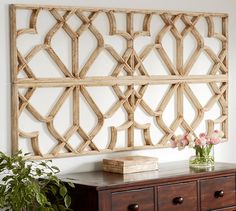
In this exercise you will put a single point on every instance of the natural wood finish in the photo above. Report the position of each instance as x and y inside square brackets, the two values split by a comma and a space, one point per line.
[122, 80]
[122, 10]
[76, 81]
[14, 91]
[130, 164]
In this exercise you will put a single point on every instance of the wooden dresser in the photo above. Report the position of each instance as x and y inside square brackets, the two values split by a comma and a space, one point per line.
[174, 187]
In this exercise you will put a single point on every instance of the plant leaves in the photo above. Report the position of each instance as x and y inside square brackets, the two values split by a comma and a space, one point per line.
[39, 172]
[71, 184]
[63, 191]
[53, 190]
[55, 168]
[67, 201]
[26, 185]
[6, 178]
[62, 208]
[40, 198]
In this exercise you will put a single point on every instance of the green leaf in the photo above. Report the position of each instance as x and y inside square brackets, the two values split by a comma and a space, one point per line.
[53, 190]
[38, 171]
[54, 207]
[63, 191]
[41, 199]
[2, 189]
[71, 184]
[62, 208]
[67, 201]
[44, 209]
[43, 164]
[6, 178]
[49, 174]
[21, 190]
[55, 168]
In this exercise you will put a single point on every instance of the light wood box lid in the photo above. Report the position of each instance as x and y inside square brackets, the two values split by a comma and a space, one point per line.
[130, 160]
[130, 164]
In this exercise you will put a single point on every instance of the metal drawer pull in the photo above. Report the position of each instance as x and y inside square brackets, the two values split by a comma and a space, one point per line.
[133, 207]
[219, 193]
[178, 200]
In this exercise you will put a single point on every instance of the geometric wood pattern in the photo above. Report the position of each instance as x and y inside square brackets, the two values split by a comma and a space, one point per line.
[128, 72]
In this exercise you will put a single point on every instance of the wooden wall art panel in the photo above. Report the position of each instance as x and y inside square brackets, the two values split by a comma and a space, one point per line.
[129, 71]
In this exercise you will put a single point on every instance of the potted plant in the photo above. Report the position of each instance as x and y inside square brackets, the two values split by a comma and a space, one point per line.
[31, 185]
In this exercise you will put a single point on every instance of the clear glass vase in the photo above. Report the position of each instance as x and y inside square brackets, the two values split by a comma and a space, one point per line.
[204, 158]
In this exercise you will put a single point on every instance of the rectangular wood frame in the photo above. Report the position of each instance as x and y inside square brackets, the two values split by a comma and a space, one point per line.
[76, 81]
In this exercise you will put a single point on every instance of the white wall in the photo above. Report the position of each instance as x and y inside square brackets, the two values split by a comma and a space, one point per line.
[223, 152]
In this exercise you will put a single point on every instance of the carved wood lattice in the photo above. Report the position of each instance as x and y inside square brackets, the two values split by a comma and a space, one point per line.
[76, 81]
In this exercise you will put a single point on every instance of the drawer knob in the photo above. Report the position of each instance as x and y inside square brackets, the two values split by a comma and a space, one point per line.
[178, 200]
[219, 193]
[133, 207]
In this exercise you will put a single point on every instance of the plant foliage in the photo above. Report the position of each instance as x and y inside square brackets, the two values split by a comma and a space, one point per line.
[31, 185]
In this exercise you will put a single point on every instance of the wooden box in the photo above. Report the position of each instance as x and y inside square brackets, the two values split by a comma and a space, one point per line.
[130, 164]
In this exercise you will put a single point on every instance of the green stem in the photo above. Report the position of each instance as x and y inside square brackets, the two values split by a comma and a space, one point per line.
[203, 155]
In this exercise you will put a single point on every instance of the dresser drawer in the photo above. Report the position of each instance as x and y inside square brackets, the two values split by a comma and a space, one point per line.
[139, 199]
[217, 192]
[182, 196]
[226, 209]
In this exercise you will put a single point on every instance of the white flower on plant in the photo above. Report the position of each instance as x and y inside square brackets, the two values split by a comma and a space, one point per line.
[190, 137]
[192, 144]
[221, 134]
[179, 137]
[202, 140]
[217, 134]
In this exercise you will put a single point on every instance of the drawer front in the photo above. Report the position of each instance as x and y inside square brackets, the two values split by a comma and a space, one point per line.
[140, 199]
[226, 209]
[182, 197]
[217, 193]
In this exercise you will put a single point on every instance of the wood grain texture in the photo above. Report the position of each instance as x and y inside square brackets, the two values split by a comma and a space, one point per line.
[142, 198]
[209, 189]
[168, 193]
[231, 208]
[130, 164]
[154, 190]
[129, 71]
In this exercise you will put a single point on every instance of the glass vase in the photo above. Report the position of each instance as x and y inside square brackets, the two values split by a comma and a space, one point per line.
[204, 157]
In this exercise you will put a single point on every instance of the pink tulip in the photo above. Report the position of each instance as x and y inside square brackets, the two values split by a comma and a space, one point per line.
[202, 135]
[185, 136]
[215, 141]
[208, 141]
[202, 141]
[173, 143]
[197, 142]
[184, 142]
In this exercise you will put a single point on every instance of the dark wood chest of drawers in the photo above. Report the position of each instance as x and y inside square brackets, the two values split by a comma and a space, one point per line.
[174, 187]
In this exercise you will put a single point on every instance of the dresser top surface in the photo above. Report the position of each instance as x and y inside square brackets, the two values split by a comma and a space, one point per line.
[167, 171]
